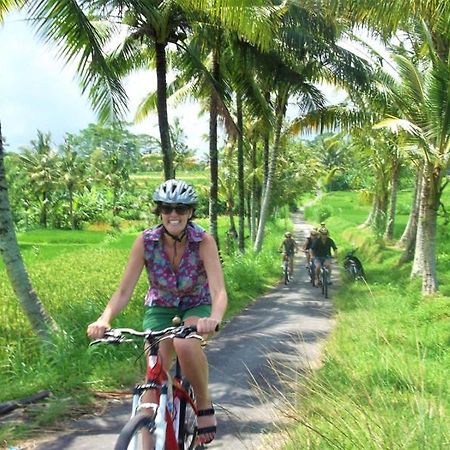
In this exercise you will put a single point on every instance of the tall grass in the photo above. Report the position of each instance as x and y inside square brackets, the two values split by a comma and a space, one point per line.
[385, 379]
[74, 274]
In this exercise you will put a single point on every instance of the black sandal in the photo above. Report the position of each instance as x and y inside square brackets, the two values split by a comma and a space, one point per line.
[206, 430]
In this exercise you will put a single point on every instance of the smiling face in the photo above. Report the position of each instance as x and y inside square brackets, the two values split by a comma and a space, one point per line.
[174, 217]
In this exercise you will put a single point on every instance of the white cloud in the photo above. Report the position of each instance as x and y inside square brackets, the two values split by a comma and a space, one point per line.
[37, 91]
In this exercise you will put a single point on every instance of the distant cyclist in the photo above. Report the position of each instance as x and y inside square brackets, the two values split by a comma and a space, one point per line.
[313, 235]
[289, 247]
[321, 252]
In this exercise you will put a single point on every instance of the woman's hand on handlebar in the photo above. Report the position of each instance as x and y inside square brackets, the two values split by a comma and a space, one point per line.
[207, 325]
[96, 330]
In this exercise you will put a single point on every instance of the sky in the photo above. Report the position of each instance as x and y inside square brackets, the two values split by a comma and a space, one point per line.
[38, 92]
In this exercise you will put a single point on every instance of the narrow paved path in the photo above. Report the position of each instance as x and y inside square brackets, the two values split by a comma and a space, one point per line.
[285, 327]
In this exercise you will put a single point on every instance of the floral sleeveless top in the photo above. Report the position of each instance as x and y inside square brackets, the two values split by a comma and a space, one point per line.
[185, 287]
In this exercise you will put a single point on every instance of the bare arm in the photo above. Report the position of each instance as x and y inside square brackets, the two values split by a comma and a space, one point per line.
[210, 256]
[119, 300]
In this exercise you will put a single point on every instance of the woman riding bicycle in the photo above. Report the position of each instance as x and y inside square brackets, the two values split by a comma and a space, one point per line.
[321, 252]
[186, 280]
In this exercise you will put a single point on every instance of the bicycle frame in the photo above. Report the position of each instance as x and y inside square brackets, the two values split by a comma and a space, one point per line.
[170, 391]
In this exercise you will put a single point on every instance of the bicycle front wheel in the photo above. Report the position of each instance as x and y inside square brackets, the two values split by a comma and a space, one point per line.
[187, 431]
[130, 437]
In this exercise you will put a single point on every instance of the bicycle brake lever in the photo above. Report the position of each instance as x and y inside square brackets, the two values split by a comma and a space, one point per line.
[109, 340]
[194, 336]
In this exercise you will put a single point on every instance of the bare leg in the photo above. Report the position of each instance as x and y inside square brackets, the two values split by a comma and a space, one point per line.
[195, 367]
[318, 266]
[328, 266]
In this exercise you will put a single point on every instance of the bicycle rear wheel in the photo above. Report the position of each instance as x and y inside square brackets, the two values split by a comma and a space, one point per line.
[325, 283]
[187, 428]
[286, 273]
[130, 437]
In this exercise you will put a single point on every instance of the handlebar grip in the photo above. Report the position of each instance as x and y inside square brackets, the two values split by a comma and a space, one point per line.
[194, 328]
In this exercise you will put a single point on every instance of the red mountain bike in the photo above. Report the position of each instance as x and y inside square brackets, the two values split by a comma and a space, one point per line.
[170, 423]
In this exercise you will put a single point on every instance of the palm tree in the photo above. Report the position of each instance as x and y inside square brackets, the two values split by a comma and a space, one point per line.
[65, 24]
[73, 176]
[307, 53]
[201, 65]
[421, 97]
[41, 162]
[15, 268]
[422, 100]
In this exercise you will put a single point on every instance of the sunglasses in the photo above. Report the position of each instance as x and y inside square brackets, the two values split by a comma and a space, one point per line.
[179, 209]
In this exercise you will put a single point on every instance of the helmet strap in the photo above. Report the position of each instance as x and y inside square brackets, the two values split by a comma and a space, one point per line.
[175, 238]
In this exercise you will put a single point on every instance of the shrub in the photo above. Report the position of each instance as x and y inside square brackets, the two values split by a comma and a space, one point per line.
[323, 213]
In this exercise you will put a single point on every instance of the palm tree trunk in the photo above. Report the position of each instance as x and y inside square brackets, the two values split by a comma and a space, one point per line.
[253, 195]
[40, 321]
[425, 252]
[213, 153]
[408, 239]
[370, 218]
[163, 122]
[379, 223]
[280, 110]
[266, 151]
[248, 210]
[240, 162]
[43, 220]
[71, 214]
[409, 233]
[389, 231]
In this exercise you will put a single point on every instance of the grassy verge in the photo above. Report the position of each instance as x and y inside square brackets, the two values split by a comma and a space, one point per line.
[385, 379]
[74, 274]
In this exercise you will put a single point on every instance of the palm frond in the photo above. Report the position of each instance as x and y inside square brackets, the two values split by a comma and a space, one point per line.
[339, 117]
[412, 80]
[9, 5]
[253, 20]
[65, 24]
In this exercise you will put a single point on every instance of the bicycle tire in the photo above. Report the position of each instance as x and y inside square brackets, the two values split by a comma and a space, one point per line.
[312, 275]
[132, 429]
[324, 279]
[187, 428]
[286, 274]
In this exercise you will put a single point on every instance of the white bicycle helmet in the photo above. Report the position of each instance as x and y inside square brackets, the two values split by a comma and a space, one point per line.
[175, 191]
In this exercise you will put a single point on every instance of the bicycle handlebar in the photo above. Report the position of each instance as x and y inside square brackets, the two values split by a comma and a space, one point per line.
[116, 335]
